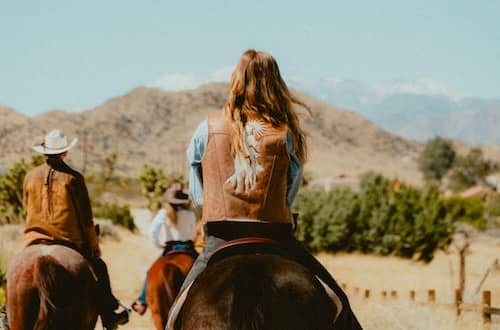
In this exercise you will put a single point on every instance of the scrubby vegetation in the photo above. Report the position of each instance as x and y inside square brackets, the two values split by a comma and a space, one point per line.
[154, 182]
[384, 217]
[436, 158]
[11, 190]
[119, 215]
[439, 160]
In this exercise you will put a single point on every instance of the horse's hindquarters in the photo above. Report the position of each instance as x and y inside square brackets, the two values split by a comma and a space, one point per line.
[50, 288]
[257, 291]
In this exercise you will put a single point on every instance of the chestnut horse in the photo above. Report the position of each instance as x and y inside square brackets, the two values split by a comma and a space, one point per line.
[257, 292]
[50, 287]
[165, 278]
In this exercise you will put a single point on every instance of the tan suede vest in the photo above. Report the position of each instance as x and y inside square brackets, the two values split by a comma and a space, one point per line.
[245, 189]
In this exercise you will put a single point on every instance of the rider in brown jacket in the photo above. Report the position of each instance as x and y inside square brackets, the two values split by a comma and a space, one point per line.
[58, 212]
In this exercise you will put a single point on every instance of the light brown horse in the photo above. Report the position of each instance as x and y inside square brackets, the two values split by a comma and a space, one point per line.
[164, 282]
[50, 287]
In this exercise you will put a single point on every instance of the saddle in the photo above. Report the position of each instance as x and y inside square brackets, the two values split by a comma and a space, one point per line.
[180, 247]
[247, 245]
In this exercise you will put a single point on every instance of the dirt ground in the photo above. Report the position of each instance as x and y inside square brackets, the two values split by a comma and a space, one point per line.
[129, 255]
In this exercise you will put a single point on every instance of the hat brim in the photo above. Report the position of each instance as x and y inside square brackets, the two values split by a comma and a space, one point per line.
[49, 151]
[176, 201]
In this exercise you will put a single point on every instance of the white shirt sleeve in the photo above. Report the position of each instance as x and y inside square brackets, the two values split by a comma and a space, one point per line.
[154, 231]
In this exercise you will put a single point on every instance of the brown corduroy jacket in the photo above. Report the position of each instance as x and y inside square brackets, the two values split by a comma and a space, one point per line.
[58, 207]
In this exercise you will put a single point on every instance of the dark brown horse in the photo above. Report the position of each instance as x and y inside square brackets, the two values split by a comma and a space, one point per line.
[257, 292]
[50, 287]
[164, 281]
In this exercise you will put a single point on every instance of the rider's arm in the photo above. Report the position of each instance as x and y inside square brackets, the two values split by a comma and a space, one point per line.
[81, 200]
[156, 225]
[195, 153]
[294, 173]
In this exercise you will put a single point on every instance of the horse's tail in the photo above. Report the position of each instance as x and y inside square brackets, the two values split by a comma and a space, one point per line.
[253, 297]
[163, 287]
[258, 303]
[50, 278]
[172, 281]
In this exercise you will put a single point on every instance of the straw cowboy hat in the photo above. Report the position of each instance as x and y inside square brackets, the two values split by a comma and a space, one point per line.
[55, 142]
[175, 195]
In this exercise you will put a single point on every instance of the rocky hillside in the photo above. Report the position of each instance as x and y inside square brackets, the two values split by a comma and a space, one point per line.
[153, 126]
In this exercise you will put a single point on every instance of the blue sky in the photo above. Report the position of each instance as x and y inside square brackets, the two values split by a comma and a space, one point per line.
[74, 55]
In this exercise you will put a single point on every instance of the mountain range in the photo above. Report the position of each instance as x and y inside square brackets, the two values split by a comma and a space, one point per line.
[416, 109]
[152, 126]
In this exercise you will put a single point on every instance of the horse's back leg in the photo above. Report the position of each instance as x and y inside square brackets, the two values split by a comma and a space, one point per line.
[23, 306]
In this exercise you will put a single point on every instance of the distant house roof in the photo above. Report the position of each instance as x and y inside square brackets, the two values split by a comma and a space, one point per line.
[476, 191]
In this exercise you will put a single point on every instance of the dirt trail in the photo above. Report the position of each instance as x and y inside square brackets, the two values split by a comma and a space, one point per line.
[128, 261]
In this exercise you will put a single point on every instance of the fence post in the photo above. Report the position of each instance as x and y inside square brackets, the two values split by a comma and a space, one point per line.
[486, 306]
[356, 291]
[367, 293]
[412, 295]
[394, 294]
[384, 294]
[431, 296]
[458, 300]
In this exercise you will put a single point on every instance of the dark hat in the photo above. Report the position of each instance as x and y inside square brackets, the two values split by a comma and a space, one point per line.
[176, 195]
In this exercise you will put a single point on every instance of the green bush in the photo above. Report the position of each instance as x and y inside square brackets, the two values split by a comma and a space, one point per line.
[3, 282]
[119, 215]
[436, 158]
[154, 183]
[470, 210]
[384, 218]
[11, 190]
[470, 170]
[492, 206]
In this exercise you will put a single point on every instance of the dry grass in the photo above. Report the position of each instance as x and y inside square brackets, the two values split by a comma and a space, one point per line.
[390, 273]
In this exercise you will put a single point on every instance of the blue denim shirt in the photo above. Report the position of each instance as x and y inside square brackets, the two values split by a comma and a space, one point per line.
[195, 153]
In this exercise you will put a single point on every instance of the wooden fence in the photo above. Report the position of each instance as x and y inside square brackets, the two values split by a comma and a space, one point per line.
[484, 308]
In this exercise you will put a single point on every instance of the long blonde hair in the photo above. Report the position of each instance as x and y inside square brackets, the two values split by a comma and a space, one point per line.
[257, 87]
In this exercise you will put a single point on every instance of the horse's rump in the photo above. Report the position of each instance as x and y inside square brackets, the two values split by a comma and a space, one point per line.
[258, 291]
[164, 281]
[50, 287]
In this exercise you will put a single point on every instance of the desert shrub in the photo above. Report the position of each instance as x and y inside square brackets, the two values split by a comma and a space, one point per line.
[3, 282]
[470, 210]
[119, 215]
[107, 230]
[436, 158]
[153, 183]
[384, 217]
[492, 206]
[470, 170]
[11, 190]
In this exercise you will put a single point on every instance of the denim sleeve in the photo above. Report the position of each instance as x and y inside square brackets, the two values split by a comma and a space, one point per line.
[294, 173]
[195, 153]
